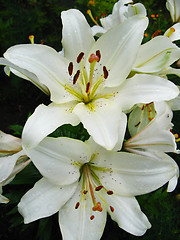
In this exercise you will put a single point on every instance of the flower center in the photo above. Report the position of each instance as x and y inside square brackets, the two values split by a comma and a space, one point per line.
[91, 186]
[88, 84]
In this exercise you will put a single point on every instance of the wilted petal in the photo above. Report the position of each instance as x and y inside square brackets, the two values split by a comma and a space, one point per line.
[82, 227]
[97, 118]
[127, 214]
[130, 174]
[118, 53]
[144, 88]
[45, 120]
[59, 159]
[44, 199]
[77, 34]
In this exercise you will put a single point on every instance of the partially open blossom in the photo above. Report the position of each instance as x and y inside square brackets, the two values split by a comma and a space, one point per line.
[84, 181]
[12, 160]
[174, 8]
[89, 83]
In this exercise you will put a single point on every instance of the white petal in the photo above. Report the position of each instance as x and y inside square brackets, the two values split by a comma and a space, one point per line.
[45, 120]
[174, 7]
[20, 72]
[173, 34]
[2, 198]
[175, 103]
[144, 88]
[9, 144]
[76, 223]
[59, 159]
[7, 165]
[172, 184]
[130, 174]
[97, 30]
[48, 65]
[137, 8]
[127, 214]
[44, 199]
[119, 47]
[170, 70]
[156, 55]
[97, 118]
[77, 34]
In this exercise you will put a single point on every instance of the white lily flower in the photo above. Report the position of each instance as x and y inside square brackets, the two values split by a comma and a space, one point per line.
[12, 160]
[157, 60]
[84, 181]
[174, 8]
[155, 138]
[89, 83]
[121, 12]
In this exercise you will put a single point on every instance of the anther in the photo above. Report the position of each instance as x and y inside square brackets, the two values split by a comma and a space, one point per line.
[85, 191]
[77, 205]
[87, 87]
[109, 192]
[143, 107]
[171, 30]
[98, 54]
[97, 207]
[70, 68]
[76, 76]
[105, 72]
[112, 209]
[80, 56]
[92, 217]
[98, 188]
[137, 124]
[93, 58]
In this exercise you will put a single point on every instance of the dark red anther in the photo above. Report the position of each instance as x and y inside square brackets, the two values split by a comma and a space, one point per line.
[85, 191]
[112, 209]
[109, 192]
[98, 188]
[77, 205]
[92, 217]
[137, 124]
[105, 72]
[70, 68]
[80, 56]
[87, 87]
[76, 76]
[143, 107]
[98, 54]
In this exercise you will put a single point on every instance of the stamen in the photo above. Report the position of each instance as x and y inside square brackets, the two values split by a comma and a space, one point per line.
[171, 30]
[112, 209]
[109, 192]
[31, 38]
[137, 124]
[98, 54]
[98, 188]
[143, 107]
[77, 205]
[80, 56]
[85, 191]
[97, 207]
[105, 72]
[76, 76]
[91, 16]
[70, 68]
[87, 87]
[92, 217]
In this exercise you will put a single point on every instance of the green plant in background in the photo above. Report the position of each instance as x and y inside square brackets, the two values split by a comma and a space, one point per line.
[19, 19]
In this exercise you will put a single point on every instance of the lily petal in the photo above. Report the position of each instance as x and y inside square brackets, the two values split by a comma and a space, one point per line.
[82, 227]
[77, 34]
[151, 58]
[48, 65]
[127, 214]
[44, 199]
[130, 174]
[59, 159]
[118, 53]
[173, 32]
[45, 120]
[97, 119]
[144, 88]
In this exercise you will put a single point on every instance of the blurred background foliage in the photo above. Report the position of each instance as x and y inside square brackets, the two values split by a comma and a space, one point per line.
[19, 98]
